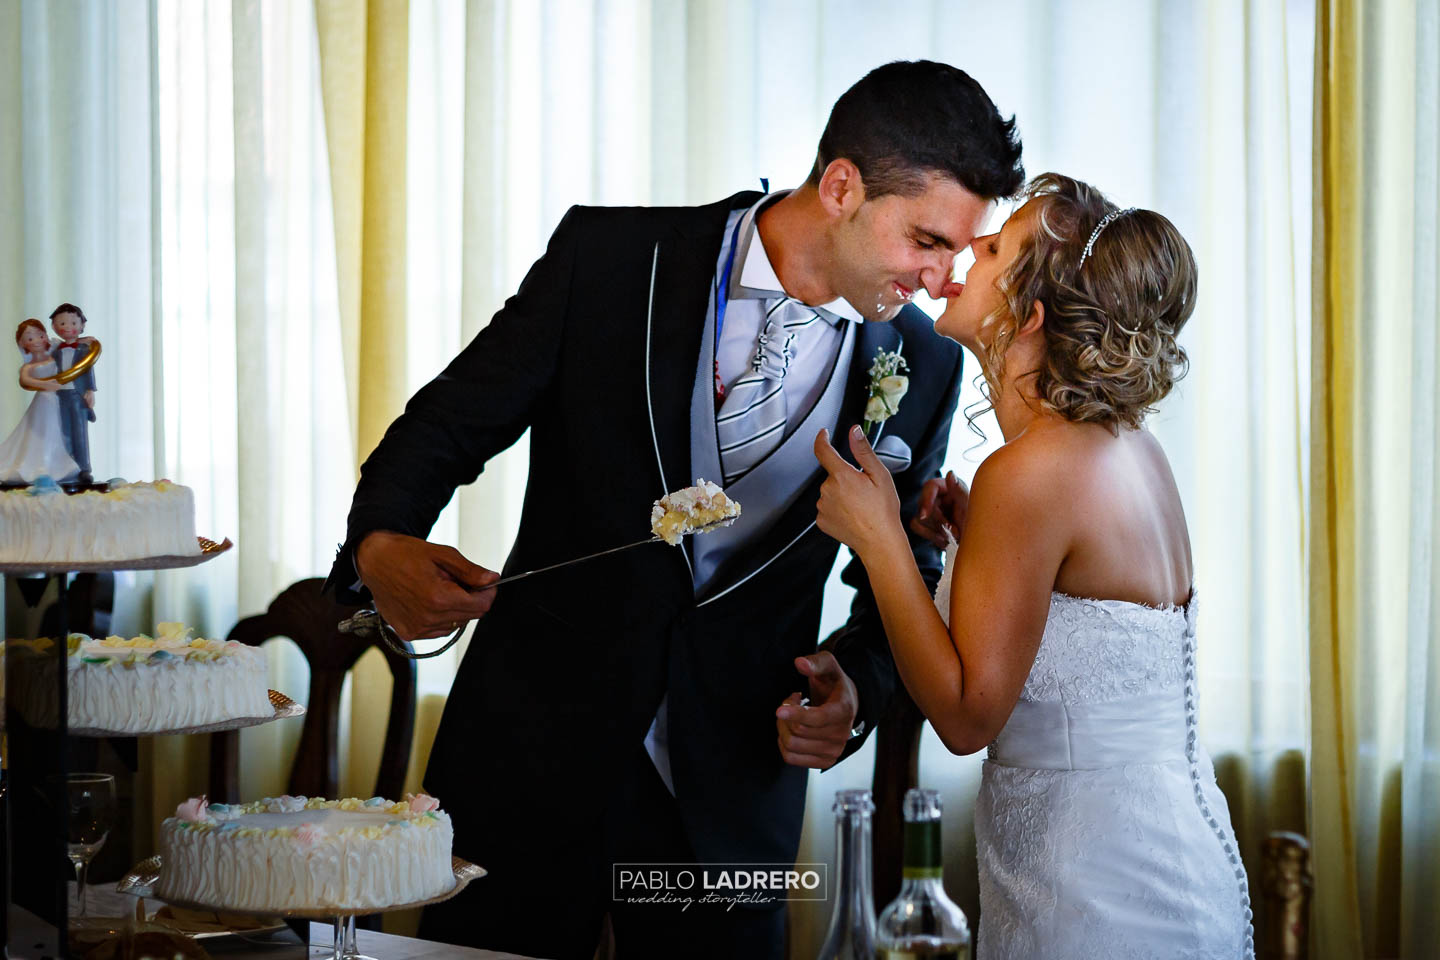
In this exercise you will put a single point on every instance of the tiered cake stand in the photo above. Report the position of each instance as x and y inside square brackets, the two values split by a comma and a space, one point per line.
[49, 757]
[143, 880]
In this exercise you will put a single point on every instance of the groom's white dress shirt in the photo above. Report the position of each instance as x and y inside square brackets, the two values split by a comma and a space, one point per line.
[753, 282]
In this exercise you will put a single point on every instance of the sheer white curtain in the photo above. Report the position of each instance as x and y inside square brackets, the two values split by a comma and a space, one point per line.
[249, 326]
[75, 162]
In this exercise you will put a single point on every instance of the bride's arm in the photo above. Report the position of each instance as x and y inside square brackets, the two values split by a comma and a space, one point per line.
[967, 679]
[29, 381]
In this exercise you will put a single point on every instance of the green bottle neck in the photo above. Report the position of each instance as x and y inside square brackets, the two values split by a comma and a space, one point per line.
[922, 850]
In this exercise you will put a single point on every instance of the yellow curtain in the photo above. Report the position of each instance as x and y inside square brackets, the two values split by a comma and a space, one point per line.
[1374, 633]
[364, 54]
[1332, 542]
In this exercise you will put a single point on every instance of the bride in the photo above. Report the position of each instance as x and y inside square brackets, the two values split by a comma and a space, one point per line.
[1062, 636]
[36, 447]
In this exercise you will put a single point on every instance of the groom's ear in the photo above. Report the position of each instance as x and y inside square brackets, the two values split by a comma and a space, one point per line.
[841, 188]
[1034, 322]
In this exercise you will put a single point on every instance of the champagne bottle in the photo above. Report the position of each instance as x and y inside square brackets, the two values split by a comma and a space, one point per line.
[852, 924]
[922, 921]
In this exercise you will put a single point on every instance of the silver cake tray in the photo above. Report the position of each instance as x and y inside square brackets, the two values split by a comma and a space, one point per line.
[284, 708]
[145, 877]
[209, 550]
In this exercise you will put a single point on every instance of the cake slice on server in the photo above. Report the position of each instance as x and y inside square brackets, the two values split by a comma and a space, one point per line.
[697, 509]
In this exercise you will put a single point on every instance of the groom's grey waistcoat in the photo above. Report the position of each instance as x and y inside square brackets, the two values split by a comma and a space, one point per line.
[773, 485]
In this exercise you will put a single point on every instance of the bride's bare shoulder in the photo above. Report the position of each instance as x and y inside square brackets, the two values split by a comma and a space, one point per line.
[1046, 454]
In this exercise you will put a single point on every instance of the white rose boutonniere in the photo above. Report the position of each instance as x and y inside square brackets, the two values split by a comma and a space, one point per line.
[888, 385]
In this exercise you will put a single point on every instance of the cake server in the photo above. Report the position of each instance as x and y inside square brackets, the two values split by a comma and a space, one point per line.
[368, 622]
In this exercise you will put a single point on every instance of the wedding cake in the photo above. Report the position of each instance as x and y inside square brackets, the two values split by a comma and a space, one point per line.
[294, 853]
[131, 521]
[692, 510]
[145, 684]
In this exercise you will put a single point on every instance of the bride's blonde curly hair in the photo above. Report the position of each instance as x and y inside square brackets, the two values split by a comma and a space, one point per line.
[1111, 323]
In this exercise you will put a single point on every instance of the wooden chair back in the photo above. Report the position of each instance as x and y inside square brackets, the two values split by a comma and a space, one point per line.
[897, 769]
[309, 618]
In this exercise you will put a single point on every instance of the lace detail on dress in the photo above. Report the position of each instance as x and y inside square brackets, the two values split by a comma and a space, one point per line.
[1106, 649]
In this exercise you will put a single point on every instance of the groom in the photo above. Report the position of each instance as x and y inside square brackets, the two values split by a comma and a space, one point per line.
[77, 398]
[644, 708]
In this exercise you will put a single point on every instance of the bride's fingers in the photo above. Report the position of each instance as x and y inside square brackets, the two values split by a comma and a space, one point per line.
[929, 493]
[828, 456]
[930, 528]
[865, 454]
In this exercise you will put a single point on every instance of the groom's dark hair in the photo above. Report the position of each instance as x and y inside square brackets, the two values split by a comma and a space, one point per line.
[908, 119]
[69, 308]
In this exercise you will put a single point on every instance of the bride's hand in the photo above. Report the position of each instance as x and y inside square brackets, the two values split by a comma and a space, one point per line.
[860, 508]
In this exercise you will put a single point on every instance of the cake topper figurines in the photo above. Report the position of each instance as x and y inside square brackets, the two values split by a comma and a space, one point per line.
[51, 440]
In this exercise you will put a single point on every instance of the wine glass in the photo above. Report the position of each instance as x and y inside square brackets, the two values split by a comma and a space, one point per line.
[91, 798]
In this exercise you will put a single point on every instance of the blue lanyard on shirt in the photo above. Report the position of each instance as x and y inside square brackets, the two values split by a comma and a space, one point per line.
[722, 293]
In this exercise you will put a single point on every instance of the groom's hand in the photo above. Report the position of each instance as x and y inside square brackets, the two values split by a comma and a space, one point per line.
[815, 735]
[422, 589]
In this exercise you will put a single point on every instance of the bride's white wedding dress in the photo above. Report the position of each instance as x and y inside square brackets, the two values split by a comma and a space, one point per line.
[1099, 828]
[36, 446]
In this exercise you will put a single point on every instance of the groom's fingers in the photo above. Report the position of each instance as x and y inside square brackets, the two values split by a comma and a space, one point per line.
[817, 720]
[824, 672]
[807, 760]
[792, 744]
[470, 575]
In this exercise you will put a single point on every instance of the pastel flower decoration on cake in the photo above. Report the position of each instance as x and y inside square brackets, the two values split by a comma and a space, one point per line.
[194, 810]
[422, 803]
[173, 632]
[225, 812]
[308, 834]
[285, 804]
[888, 386]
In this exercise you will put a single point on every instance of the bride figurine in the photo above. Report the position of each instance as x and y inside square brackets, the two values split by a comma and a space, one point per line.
[36, 447]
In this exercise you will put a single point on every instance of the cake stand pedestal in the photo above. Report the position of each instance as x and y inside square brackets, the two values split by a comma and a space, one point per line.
[40, 749]
[142, 880]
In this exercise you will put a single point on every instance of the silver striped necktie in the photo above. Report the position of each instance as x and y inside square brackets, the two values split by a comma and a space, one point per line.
[751, 421]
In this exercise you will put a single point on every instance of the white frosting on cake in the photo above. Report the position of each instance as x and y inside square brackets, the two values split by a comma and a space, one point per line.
[147, 684]
[290, 853]
[131, 522]
[697, 508]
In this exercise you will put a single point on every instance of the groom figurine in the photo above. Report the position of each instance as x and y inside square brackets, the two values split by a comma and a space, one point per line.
[645, 708]
[77, 398]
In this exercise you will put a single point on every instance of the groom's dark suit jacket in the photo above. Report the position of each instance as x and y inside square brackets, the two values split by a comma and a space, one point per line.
[596, 354]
